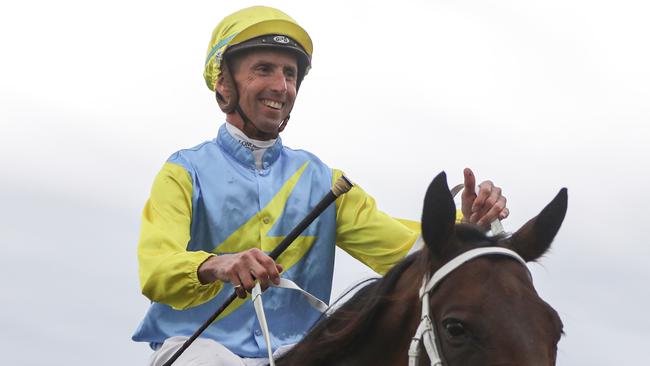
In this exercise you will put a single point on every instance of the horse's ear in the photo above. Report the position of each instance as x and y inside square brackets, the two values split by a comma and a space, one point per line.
[535, 237]
[438, 215]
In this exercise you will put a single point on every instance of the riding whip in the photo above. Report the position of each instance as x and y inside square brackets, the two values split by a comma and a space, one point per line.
[341, 186]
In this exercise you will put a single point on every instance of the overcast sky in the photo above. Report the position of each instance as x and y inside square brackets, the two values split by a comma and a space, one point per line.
[535, 95]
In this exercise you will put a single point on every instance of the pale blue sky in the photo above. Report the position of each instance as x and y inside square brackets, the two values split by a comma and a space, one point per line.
[535, 95]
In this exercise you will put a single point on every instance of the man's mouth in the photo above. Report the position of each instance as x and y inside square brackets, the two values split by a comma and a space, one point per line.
[272, 104]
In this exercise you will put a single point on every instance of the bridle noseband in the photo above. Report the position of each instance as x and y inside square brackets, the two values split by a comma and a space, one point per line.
[426, 331]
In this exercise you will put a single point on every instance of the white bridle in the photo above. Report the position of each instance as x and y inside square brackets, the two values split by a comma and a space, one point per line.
[425, 331]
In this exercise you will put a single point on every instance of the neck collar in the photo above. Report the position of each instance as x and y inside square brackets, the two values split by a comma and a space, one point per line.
[243, 154]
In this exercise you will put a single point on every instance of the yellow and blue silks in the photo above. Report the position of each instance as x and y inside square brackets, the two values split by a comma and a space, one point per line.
[211, 200]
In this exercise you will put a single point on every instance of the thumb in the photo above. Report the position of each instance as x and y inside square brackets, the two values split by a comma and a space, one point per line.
[469, 193]
[469, 181]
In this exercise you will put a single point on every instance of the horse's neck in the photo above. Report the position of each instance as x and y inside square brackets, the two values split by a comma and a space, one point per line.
[384, 342]
[393, 334]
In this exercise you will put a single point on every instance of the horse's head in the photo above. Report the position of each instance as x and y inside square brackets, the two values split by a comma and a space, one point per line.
[484, 312]
[487, 312]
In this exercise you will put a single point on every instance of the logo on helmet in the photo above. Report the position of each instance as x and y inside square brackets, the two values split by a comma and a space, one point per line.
[281, 39]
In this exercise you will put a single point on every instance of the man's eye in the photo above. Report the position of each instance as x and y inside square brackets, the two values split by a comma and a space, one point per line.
[263, 69]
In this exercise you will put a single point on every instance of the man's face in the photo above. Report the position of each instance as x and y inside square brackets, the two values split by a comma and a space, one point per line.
[266, 83]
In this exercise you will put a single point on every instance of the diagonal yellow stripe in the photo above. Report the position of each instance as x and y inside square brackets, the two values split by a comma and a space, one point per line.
[289, 257]
[253, 234]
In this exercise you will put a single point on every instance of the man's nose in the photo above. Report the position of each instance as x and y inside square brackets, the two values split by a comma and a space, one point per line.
[279, 83]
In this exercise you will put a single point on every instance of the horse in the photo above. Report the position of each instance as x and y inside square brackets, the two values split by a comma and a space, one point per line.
[484, 312]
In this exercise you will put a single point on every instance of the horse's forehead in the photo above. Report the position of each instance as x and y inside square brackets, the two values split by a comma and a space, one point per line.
[490, 277]
[495, 291]
[495, 285]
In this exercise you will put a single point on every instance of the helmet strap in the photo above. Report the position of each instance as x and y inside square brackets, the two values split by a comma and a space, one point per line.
[227, 105]
[284, 122]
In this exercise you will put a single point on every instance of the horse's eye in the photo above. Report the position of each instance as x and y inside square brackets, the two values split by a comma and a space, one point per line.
[454, 328]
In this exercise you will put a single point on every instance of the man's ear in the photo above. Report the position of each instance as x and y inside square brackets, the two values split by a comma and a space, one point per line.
[225, 91]
[221, 87]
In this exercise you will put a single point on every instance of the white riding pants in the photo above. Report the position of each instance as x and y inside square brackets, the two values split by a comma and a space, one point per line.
[205, 352]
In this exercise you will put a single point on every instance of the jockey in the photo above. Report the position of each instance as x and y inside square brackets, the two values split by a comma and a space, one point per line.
[217, 209]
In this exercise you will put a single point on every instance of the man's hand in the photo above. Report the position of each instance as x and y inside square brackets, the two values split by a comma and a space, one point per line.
[242, 270]
[484, 207]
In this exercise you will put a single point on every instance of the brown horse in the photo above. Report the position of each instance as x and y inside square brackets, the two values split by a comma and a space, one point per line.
[485, 312]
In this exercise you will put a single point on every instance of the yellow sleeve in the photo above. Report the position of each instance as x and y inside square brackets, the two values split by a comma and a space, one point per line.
[168, 272]
[369, 235]
[459, 216]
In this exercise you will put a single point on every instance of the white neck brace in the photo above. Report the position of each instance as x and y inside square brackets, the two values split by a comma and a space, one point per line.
[256, 147]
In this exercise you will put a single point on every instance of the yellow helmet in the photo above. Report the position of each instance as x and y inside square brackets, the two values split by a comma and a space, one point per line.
[246, 28]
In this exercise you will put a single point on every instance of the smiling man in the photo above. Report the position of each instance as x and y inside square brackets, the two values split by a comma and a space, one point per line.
[266, 83]
[217, 209]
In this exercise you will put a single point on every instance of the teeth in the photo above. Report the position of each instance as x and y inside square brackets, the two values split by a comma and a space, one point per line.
[273, 104]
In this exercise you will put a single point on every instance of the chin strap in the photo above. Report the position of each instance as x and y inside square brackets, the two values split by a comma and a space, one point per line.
[260, 133]
[247, 121]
